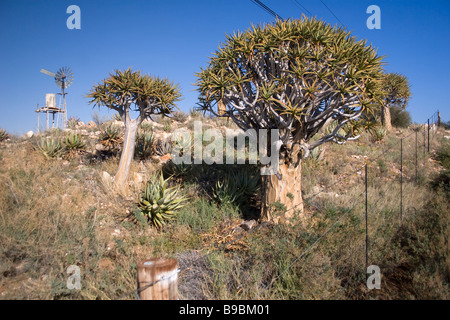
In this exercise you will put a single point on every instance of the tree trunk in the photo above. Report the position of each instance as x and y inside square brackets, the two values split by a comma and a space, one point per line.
[127, 153]
[386, 118]
[282, 194]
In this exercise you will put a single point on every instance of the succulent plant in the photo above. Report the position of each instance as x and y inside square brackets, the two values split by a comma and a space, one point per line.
[49, 147]
[144, 143]
[379, 133]
[238, 187]
[158, 202]
[73, 144]
[163, 147]
[3, 135]
[111, 137]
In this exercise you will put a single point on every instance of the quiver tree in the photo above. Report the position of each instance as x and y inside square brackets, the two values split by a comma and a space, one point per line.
[396, 93]
[126, 91]
[296, 76]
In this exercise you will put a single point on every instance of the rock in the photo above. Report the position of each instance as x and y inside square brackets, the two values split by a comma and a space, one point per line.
[137, 177]
[29, 134]
[248, 224]
[446, 137]
[100, 147]
[106, 176]
[91, 124]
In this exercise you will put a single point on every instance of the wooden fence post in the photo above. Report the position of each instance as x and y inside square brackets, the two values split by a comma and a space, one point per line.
[157, 279]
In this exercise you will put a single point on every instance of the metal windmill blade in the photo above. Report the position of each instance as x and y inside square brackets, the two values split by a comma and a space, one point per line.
[64, 77]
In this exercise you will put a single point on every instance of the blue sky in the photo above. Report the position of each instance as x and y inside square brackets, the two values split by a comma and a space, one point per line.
[174, 39]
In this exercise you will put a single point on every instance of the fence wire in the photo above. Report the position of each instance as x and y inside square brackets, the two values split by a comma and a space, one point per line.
[428, 132]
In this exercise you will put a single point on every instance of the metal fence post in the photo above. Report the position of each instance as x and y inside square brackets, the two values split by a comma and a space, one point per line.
[401, 179]
[367, 228]
[416, 157]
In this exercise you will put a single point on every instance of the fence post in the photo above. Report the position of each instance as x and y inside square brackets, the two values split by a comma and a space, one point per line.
[367, 228]
[416, 157]
[428, 135]
[157, 279]
[401, 179]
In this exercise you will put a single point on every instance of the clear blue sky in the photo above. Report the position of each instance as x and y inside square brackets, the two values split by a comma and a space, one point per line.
[174, 38]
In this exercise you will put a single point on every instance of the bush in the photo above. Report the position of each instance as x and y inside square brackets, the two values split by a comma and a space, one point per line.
[160, 203]
[73, 144]
[49, 147]
[400, 118]
[3, 135]
[144, 144]
[111, 137]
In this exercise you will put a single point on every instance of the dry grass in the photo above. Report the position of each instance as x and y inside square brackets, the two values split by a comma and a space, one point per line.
[56, 213]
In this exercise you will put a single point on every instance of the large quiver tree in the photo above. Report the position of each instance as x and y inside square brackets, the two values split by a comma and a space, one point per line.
[126, 91]
[396, 92]
[296, 76]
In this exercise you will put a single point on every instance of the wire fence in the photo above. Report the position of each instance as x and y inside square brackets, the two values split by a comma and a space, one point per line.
[411, 157]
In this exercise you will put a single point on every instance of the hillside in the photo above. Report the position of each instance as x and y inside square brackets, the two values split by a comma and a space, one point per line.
[61, 211]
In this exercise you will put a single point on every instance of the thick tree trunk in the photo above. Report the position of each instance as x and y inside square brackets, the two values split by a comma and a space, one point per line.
[282, 194]
[127, 153]
[386, 118]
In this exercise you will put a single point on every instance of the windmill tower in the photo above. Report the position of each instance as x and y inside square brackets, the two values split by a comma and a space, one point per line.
[63, 78]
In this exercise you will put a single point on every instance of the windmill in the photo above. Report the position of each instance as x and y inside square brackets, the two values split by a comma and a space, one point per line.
[63, 78]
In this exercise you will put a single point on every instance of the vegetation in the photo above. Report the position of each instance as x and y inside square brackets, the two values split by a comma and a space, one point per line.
[55, 218]
[73, 144]
[160, 203]
[111, 137]
[149, 96]
[295, 76]
[396, 93]
[144, 144]
[3, 135]
[400, 118]
[49, 147]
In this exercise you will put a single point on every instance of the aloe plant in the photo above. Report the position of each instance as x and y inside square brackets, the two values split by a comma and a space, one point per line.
[163, 147]
[3, 135]
[49, 147]
[237, 187]
[159, 203]
[144, 144]
[111, 137]
[73, 144]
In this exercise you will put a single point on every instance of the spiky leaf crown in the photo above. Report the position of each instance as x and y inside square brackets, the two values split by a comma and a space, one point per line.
[293, 75]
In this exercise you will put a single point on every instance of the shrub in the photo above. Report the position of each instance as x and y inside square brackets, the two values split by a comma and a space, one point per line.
[237, 188]
[163, 147]
[144, 144]
[73, 144]
[378, 134]
[159, 203]
[400, 118]
[111, 137]
[72, 122]
[179, 116]
[3, 135]
[49, 147]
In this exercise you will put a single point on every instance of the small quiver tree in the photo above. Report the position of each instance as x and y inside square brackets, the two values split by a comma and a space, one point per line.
[396, 93]
[126, 91]
[296, 76]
